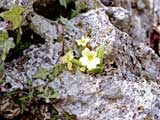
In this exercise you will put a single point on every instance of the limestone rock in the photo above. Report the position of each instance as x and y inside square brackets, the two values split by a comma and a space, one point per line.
[47, 29]
[6, 4]
[127, 90]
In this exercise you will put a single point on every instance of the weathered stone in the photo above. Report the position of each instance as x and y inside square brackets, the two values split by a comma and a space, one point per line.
[45, 56]
[127, 90]
[3, 25]
[7, 4]
[100, 99]
[47, 29]
[120, 18]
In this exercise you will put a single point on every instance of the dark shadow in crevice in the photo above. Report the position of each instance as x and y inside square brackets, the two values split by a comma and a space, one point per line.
[52, 9]
[114, 65]
[28, 38]
[2, 10]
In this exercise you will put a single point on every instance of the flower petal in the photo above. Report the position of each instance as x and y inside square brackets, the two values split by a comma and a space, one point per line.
[85, 52]
[87, 39]
[84, 61]
[91, 65]
[83, 41]
[96, 61]
[94, 54]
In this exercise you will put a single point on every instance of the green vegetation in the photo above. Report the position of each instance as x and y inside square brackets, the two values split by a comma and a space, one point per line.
[14, 16]
[43, 73]
[7, 43]
[28, 96]
[64, 2]
[79, 6]
[48, 93]
[32, 101]
[90, 61]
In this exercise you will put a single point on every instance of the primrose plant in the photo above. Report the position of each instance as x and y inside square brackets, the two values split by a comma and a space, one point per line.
[90, 61]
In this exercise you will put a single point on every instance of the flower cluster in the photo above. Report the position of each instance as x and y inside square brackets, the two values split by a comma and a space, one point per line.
[89, 59]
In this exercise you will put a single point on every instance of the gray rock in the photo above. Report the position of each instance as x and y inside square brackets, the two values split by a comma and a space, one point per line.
[47, 29]
[120, 18]
[7, 4]
[127, 90]
[3, 25]
[104, 97]
[44, 56]
[144, 17]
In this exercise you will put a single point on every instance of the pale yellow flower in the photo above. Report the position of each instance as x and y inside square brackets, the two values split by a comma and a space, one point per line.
[89, 59]
[67, 59]
[83, 42]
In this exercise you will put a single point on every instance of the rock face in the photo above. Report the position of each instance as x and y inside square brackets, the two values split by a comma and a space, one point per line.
[123, 90]
[127, 90]
[5, 4]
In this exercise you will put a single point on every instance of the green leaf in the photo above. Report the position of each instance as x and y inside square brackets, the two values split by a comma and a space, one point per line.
[67, 116]
[58, 68]
[4, 36]
[18, 37]
[75, 13]
[48, 94]
[41, 73]
[13, 15]
[63, 3]
[2, 66]
[17, 9]
[29, 82]
[63, 20]
[79, 7]
[100, 53]
[1, 81]
[6, 47]
[76, 62]
[22, 107]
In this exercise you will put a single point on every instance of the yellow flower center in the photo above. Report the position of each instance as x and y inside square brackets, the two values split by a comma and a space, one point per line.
[83, 41]
[90, 57]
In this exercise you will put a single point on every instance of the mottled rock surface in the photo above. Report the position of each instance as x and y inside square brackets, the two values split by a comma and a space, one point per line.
[6, 4]
[128, 89]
